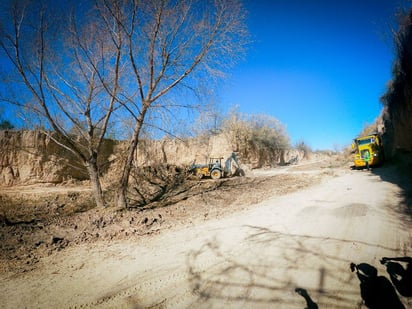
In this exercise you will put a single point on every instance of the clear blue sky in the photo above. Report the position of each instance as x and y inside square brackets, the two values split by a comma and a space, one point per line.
[318, 66]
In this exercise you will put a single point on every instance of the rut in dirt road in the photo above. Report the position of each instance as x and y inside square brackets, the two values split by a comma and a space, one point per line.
[252, 259]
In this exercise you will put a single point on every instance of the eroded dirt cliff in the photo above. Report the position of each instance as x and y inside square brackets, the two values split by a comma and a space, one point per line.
[28, 157]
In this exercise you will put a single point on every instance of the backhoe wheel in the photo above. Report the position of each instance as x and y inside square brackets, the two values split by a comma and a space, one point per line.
[240, 172]
[199, 175]
[216, 174]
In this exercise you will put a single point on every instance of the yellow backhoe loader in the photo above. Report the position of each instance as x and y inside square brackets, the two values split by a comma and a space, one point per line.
[215, 169]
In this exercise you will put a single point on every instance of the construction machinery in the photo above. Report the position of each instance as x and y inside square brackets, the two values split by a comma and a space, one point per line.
[215, 169]
[368, 151]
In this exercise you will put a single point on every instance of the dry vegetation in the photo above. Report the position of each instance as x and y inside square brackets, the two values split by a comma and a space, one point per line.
[397, 100]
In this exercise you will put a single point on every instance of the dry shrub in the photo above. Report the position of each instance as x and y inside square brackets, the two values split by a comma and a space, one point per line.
[304, 148]
[260, 139]
[152, 184]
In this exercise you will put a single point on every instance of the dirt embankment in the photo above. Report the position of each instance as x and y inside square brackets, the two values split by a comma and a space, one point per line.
[31, 157]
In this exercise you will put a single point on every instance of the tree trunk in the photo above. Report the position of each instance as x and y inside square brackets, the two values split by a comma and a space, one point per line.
[121, 196]
[93, 171]
[282, 159]
[124, 180]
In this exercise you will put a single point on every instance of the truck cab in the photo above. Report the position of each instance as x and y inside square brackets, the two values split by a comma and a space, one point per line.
[369, 149]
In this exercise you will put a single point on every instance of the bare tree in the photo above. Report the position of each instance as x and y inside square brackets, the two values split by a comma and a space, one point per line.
[112, 57]
[174, 45]
[69, 68]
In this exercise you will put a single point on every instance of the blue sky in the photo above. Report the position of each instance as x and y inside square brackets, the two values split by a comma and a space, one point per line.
[318, 66]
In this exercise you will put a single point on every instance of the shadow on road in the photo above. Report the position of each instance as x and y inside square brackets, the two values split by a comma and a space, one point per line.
[310, 304]
[400, 174]
[376, 291]
[241, 277]
[400, 272]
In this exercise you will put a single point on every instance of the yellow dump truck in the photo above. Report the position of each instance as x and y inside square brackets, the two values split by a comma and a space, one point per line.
[368, 151]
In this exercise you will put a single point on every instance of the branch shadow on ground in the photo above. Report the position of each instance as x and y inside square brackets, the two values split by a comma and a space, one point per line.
[267, 266]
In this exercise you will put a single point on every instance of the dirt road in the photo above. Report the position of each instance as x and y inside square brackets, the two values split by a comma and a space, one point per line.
[250, 259]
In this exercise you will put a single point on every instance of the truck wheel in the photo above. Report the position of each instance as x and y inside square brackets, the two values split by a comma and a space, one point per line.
[216, 174]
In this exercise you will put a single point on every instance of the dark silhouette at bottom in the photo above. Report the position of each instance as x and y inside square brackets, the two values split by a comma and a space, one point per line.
[309, 302]
[401, 277]
[377, 291]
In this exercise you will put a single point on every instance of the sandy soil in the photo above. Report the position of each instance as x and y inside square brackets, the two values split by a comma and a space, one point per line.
[245, 243]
